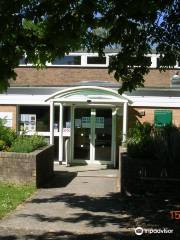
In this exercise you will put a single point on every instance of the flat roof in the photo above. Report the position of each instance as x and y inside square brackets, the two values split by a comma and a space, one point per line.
[155, 92]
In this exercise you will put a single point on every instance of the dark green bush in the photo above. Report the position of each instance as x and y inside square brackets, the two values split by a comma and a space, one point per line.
[2, 145]
[162, 143]
[26, 144]
[139, 141]
[166, 144]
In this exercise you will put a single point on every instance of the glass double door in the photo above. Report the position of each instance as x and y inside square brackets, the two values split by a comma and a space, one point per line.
[92, 134]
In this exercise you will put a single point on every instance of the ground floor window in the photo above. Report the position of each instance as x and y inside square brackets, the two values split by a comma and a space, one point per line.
[36, 118]
[91, 132]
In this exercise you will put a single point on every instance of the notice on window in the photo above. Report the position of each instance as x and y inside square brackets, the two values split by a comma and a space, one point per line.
[78, 123]
[68, 124]
[86, 122]
[6, 118]
[66, 132]
[99, 122]
[28, 122]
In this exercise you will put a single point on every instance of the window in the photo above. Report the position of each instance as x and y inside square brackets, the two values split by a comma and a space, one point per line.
[34, 118]
[111, 58]
[165, 62]
[162, 118]
[96, 60]
[28, 122]
[6, 118]
[134, 62]
[175, 80]
[67, 60]
[23, 61]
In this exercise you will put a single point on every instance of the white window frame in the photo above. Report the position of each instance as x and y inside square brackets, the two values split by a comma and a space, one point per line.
[84, 63]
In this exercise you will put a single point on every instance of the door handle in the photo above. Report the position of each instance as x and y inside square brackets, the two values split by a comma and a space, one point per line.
[90, 137]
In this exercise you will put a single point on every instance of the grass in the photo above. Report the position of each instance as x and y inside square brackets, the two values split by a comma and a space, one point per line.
[12, 195]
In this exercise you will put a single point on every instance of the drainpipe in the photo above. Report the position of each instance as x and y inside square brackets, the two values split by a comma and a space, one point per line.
[52, 122]
[61, 132]
[125, 118]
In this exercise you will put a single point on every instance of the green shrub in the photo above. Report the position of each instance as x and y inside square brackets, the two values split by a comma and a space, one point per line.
[7, 135]
[2, 145]
[9, 141]
[166, 141]
[37, 141]
[162, 143]
[26, 144]
[139, 141]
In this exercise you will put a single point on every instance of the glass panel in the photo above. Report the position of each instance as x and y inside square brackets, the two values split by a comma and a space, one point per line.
[171, 62]
[82, 130]
[103, 133]
[35, 118]
[96, 60]
[23, 61]
[67, 60]
[66, 127]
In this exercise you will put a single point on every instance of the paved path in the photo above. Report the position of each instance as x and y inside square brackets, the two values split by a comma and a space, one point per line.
[80, 201]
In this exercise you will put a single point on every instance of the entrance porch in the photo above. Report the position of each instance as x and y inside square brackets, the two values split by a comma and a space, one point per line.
[89, 134]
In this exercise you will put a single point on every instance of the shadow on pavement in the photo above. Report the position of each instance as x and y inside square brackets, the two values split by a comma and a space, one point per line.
[60, 179]
[70, 236]
[122, 211]
[146, 211]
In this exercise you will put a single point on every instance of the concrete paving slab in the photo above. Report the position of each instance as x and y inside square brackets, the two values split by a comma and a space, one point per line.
[82, 203]
[79, 200]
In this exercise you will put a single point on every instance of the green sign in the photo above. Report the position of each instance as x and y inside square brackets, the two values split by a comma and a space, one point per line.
[162, 118]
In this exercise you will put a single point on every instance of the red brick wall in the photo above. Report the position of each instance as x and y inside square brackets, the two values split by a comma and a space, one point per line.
[69, 75]
[134, 115]
[60, 76]
[159, 79]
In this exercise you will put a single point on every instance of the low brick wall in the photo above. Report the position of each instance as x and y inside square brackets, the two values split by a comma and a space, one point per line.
[24, 168]
[146, 175]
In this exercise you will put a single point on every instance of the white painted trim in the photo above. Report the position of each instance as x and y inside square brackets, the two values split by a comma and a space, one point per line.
[92, 159]
[72, 135]
[84, 56]
[23, 99]
[93, 135]
[125, 116]
[152, 101]
[60, 132]
[153, 60]
[61, 95]
[98, 162]
[17, 118]
[93, 102]
[45, 134]
[113, 137]
[51, 122]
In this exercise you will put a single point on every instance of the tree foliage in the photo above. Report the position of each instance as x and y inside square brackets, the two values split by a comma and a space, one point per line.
[45, 29]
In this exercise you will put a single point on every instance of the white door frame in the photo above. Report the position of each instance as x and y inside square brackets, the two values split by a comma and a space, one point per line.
[92, 159]
[92, 139]
[72, 136]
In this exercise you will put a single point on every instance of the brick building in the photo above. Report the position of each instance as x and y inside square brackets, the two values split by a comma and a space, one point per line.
[74, 103]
